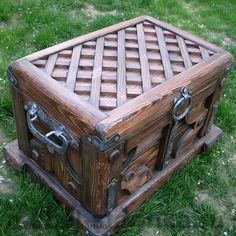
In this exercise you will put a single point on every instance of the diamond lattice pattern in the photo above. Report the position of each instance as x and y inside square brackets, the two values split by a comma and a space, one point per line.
[113, 69]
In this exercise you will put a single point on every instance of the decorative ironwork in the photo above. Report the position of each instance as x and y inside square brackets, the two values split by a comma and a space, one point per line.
[12, 78]
[56, 140]
[100, 144]
[184, 96]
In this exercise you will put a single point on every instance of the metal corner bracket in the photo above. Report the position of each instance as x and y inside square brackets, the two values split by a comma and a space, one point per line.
[12, 78]
[100, 144]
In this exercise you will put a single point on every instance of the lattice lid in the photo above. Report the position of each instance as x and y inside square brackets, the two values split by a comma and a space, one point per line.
[109, 70]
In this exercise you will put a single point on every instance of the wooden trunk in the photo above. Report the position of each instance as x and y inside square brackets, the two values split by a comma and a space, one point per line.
[106, 118]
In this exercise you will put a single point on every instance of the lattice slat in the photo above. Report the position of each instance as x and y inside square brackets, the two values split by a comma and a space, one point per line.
[204, 53]
[121, 71]
[184, 52]
[113, 69]
[50, 64]
[146, 82]
[74, 64]
[97, 73]
[164, 53]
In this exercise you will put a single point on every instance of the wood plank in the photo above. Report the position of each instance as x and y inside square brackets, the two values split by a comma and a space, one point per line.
[97, 73]
[74, 64]
[84, 38]
[121, 71]
[204, 52]
[50, 64]
[184, 34]
[146, 81]
[146, 108]
[66, 107]
[164, 53]
[184, 52]
[22, 131]
[94, 189]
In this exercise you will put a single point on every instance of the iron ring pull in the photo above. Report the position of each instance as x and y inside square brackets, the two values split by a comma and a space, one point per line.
[185, 96]
[35, 113]
[51, 145]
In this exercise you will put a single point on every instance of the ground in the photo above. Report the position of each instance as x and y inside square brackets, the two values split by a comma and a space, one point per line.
[200, 199]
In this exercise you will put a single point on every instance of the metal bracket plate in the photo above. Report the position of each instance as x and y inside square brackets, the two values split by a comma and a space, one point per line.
[100, 144]
[12, 78]
[112, 195]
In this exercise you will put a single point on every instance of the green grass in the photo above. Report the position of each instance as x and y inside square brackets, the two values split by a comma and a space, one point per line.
[200, 199]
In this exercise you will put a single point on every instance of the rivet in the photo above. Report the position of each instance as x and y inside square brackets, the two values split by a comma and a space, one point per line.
[35, 154]
[222, 82]
[201, 120]
[117, 138]
[71, 186]
[89, 139]
[115, 154]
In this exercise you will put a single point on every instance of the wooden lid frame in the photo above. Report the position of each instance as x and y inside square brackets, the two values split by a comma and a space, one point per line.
[84, 118]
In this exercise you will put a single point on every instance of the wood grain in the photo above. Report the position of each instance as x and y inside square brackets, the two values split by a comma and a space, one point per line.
[121, 71]
[184, 52]
[74, 64]
[64, 106]
[146, 82]
[97, 73]
[164, 53]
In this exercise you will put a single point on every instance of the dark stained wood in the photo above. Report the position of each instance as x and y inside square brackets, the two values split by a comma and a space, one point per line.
[144, 109]
[211, 101]
[164, 53]
[116, 85]
[121, 72]
[22, 131]
[85, 220]
[146, 82]
[72, 73]
[64, 106]
[96, 175]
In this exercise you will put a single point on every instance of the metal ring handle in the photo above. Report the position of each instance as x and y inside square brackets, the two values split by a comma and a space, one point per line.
[185, 95]
[52, 146]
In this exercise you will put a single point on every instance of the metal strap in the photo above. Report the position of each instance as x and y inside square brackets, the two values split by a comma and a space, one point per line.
[63, 138]
[183, 97]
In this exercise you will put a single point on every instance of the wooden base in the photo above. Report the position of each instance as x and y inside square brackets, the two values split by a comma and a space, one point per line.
[82, 218]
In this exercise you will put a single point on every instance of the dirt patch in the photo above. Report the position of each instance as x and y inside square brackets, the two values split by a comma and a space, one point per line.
[229, 41]
[9, 24]
[91, 11]
[151, 231]
[7, 185]
[220, 205]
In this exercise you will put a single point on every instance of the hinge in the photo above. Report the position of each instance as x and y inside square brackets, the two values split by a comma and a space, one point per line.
[100, 144]
[12, 78]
